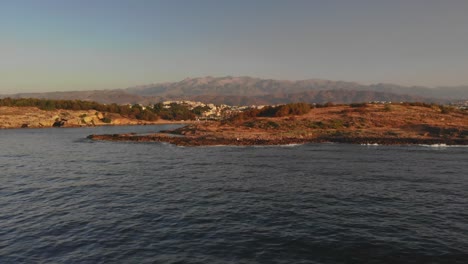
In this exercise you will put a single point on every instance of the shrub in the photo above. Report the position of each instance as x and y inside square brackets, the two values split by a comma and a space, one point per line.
[336, 123]
[358, 105]
[272, 124]
[106, 120]
[317, 124]
[446, 109]
[287, 110]
[250, 124]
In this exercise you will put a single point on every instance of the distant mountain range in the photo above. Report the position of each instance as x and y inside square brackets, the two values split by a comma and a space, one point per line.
[249, 91]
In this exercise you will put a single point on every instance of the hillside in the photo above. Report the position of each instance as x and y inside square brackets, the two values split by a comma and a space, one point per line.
[367, 123]
[248, 91]
[33, 117]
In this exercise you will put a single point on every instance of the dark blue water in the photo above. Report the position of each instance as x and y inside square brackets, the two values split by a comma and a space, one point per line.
[65, 199]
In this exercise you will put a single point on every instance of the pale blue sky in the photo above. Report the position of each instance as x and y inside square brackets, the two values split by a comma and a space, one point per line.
[60, 45]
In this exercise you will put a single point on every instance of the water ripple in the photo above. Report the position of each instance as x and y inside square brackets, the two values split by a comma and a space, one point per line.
[65, 199]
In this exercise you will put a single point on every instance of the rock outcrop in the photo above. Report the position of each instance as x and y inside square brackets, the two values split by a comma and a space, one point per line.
[32, 117]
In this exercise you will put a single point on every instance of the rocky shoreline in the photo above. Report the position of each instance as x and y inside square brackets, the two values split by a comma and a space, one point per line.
[33, 117]
[213, 140]
[367, 124]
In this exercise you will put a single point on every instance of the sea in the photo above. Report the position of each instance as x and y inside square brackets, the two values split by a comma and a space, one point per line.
[67, 199]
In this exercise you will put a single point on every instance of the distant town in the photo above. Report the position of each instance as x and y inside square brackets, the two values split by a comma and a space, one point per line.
[217, 112]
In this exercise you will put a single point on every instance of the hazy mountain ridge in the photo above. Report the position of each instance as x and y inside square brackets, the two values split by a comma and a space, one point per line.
[249, 86]
[240, 86]
[248, 90]
[321, 96]
[102, 96]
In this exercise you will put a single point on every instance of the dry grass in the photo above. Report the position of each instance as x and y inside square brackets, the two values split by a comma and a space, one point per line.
[397, 121]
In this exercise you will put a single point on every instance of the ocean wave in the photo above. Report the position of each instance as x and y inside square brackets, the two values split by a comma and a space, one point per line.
[443, 146]
[278, 146]
[369, 144]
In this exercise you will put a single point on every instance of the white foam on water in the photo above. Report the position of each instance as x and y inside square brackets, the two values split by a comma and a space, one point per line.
[443, 146]
[291, 145]
[370, 144]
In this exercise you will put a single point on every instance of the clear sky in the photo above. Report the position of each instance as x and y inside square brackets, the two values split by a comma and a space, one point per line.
[60, 45]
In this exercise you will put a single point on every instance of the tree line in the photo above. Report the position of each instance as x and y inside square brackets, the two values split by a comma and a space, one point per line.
[274, 111]
[171, 112]
[135, 111]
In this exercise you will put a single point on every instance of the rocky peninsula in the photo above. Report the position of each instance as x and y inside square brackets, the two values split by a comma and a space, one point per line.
[386, 124]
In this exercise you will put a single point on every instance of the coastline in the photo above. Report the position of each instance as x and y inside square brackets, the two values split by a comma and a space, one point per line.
[213, 140]
[33, 117]
[164, 122]
[367, 124]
